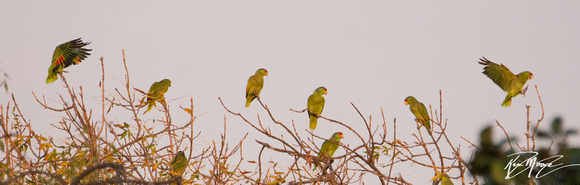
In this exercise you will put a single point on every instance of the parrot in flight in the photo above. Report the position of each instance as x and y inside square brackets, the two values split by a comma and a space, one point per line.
[255, 84]
[315, 105]
[420, 112]
[157, 92]
[329, 146]
[178, 164]
[66, 54]
[504, 78]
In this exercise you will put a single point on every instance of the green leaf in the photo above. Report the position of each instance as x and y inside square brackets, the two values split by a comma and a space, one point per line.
[150, 146]
[557, 125]
[42, 138]
[124, 134]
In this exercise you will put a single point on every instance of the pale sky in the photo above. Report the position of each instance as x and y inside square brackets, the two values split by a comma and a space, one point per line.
[372, 53]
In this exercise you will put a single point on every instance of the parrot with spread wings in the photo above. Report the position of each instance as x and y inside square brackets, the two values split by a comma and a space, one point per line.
[66, 54]
[505, 79]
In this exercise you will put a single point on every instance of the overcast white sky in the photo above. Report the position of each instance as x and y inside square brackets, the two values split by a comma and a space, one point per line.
[372, 53]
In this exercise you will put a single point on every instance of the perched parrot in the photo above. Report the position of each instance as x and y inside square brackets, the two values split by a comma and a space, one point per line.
[255, 84]
[157, 92]
[178, 164]
[329, 146]
[420, 112]
[69, 53]
[315, 105]
[504, 78]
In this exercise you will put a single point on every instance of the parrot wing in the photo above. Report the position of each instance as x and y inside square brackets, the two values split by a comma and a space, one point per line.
[424, 116]
[255, 85]
[315, 105]
[324, 149]
[329, 146]
[499, 74]
[154, 91]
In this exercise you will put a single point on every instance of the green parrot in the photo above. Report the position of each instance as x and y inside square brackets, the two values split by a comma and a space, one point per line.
[69, 53]
[255, 84]
[504, 78]
[329, 146]
[420, 112]
[178, 164]
[157, 92]
[315, 105]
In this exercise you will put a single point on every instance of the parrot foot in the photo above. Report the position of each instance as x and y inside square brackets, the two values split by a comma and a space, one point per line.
[523, 91]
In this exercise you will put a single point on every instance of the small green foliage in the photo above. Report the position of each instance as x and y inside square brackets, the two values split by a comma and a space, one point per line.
[380, 150]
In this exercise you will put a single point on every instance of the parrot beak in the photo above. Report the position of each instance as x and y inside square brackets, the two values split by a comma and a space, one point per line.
[325, 92]
[531, 76]
[341, 136]
[266, 74]
[406, 103]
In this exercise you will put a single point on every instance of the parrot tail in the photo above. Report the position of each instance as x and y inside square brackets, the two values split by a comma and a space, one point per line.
[313, 120]
[51, 78]
[248, 102]
[151, 104]
[428, 127]
[507, 102]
